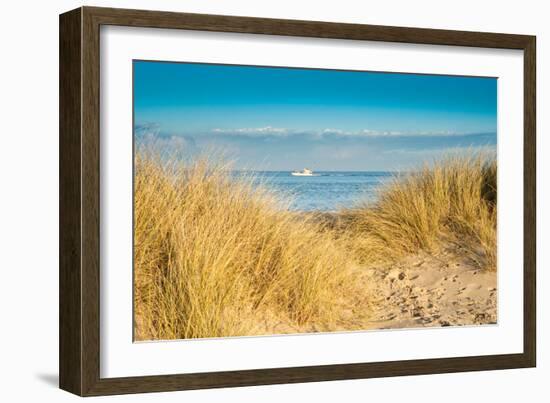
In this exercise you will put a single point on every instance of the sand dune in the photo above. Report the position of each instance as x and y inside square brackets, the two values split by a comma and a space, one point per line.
[216, 257]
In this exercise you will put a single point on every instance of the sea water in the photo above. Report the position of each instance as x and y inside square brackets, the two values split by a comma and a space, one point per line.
[327, 190]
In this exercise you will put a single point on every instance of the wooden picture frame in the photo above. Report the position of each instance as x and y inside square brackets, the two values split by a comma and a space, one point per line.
[79, 348]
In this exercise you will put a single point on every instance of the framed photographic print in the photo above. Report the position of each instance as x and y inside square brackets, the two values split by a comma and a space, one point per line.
[249, 201]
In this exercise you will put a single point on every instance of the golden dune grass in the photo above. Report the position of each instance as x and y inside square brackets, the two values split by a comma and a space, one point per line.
[214, 256]
[453, 200]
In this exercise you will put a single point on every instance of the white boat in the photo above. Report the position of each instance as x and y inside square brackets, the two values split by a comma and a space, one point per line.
[304, 172]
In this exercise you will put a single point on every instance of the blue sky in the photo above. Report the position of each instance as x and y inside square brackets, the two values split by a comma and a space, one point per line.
[283, 119]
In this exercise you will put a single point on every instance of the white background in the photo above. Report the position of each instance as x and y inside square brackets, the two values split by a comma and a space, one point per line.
[29, 202]
[120, 357]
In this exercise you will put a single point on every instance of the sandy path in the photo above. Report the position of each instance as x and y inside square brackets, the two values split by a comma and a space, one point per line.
[424, 290]
[428, 290]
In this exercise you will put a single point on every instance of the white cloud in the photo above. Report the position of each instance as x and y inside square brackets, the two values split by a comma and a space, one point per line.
[270, 131]
[445, 150]
[254, 131]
